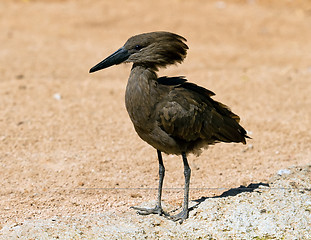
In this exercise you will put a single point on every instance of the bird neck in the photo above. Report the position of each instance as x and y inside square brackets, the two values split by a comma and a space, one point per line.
[138, 96]
[140, 80]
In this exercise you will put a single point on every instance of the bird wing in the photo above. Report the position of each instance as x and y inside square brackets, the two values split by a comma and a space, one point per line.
[188, 113]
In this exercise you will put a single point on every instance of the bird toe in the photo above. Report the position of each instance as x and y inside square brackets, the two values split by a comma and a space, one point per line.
[183, 215]
[147, 211]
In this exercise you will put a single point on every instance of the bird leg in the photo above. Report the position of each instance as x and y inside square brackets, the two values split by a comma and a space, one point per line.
[158, 208]
[184, 213]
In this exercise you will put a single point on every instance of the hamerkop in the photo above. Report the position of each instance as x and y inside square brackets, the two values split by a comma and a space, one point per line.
[172, 115]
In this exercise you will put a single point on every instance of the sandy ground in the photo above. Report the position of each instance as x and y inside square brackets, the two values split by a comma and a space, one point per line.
[278, 210]
[67, 145]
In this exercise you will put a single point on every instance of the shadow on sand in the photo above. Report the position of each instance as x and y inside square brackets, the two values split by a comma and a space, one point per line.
[231, 192]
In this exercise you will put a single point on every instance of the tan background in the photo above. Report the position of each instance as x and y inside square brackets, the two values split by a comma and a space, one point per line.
[65, 134]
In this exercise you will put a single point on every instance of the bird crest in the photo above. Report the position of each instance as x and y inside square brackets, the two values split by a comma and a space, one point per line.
[156, 49]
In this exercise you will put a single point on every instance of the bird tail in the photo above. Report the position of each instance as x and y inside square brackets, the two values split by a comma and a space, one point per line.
[227, 124]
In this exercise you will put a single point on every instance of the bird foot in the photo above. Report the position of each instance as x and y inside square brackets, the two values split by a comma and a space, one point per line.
[183, 215]
[147, 211]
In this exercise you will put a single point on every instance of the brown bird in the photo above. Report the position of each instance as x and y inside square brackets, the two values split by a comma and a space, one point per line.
[172, 115]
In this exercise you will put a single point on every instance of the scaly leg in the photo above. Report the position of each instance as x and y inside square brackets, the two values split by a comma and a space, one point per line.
[158, 208]
[184, 213]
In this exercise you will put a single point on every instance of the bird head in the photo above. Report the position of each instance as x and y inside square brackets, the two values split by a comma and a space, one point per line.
[153, 50]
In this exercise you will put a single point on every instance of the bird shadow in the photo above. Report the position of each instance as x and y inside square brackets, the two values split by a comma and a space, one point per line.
[231, 192]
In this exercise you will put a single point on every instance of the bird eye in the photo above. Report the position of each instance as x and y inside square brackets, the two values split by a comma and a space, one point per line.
[138, 47]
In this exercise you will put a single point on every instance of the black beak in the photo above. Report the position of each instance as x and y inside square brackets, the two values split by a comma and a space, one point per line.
[116, 58]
